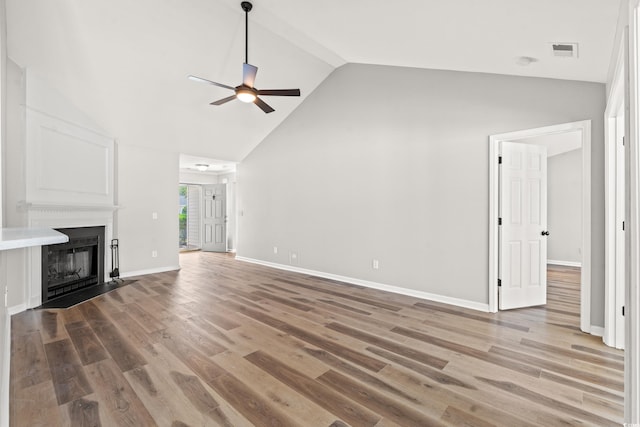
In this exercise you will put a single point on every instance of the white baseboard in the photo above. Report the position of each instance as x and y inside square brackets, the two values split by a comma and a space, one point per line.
[15, 309]
[598, 331]
[374, 285]
[564, 263]
[5, 339]
[149, 271]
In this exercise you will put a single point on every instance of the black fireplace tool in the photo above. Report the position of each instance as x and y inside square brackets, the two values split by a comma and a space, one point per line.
[115, 261]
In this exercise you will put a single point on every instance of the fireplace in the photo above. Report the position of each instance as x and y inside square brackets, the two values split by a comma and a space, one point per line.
[75, 266]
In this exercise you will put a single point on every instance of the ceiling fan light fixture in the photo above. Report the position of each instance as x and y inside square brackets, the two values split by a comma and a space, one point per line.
[245, 95]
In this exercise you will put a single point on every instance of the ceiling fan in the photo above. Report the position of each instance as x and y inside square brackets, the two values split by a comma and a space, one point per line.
[246, 92]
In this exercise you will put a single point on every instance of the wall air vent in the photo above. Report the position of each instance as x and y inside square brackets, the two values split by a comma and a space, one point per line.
[565, 50]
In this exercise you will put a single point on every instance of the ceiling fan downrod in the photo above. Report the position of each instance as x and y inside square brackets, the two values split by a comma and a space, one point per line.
[246, 6]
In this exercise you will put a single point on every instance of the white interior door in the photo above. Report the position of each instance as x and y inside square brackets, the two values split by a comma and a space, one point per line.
[523, 233]
[214, 218]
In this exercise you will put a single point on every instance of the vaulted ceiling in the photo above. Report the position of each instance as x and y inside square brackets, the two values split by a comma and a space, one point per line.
[125, 62]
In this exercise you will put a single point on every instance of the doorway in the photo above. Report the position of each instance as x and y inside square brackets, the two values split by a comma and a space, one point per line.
[212, 225]
[583, 128]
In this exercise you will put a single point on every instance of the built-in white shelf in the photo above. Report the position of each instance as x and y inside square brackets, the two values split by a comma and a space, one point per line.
[15, 238]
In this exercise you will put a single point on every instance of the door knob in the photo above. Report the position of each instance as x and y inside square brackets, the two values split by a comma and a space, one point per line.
[545, 233]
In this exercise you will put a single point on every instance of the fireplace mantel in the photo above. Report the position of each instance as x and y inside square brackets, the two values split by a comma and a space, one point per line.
[45, 207]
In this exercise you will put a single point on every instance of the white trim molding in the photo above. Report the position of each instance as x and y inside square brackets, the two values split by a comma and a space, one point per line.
[632, 297]
[149, 271]
[15, 309]
[374, 285]
[564, 263]
[584, 127]
[53, 144]
[598, 331]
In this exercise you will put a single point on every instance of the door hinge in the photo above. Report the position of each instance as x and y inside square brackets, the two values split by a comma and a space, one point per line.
[623, 310]
[499, 282]
[499, 160]
[622, 225]
[499, 221]
[623, 140]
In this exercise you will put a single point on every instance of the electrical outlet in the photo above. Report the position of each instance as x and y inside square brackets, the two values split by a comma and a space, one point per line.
[154, 254]
[275, 249]
[293, 258]
[375, 264]
[154, 215]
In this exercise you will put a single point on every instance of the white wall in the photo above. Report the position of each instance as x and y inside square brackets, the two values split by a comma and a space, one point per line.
[623, 23]
[232, 223]
[187, 177]
[147, 184]
[15, 191]
[564, 196]
[392, 163]
[4, 318]
[15, 148]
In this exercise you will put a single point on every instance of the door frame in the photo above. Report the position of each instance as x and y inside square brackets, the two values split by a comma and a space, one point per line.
[616, 103]
[632, 318]
[584, 127]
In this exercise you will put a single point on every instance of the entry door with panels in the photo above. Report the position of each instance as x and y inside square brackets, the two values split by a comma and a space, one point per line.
[523, 225]
[214, 221]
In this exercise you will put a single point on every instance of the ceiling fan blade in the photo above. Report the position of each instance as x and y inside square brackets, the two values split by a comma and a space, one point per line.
[263, 106]
[223, 100]
[279, 92]
[249, 74]
[201, 80]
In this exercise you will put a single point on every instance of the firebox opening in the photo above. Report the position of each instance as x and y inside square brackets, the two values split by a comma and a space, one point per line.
[77, 265]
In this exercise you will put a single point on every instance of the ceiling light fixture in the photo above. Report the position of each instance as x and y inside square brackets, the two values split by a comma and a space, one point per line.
[245, 94]
[202, 167]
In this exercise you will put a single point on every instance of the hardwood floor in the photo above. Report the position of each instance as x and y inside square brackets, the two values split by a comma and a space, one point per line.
[227, 343]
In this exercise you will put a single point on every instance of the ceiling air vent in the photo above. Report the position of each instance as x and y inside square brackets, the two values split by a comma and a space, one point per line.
[565, 50]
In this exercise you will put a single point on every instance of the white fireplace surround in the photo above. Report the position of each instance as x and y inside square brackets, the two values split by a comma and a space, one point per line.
[64, 217]
[69, 177]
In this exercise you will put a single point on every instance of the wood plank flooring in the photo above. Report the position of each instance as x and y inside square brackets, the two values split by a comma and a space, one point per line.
[227, 343]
